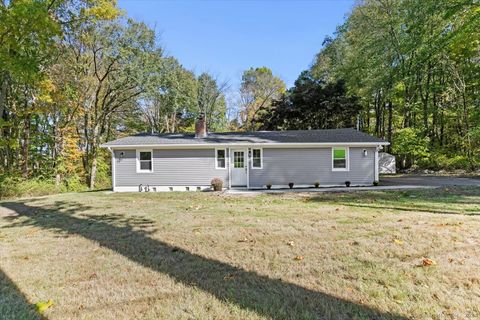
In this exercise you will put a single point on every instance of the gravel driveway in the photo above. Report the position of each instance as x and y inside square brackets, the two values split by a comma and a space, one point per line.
[427, 180]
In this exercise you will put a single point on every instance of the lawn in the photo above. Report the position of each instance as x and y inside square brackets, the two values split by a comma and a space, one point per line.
[99, 255]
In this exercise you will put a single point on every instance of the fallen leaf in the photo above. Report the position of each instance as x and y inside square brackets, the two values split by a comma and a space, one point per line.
[229, 276]
[426, 262]
[397, 241]
[42, 305]
[243, 240]
[298, 258]
[355, 243]
[291, 243]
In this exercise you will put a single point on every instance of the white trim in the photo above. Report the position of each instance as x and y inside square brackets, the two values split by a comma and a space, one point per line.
[113, 168]
[376, 166]
[216, 158]
[269, 144]
[347, 159]
[229, 168]
[245, 163]
[248, 168]
[138, 160]
[261, 159]
[163, 189]
[308, 186]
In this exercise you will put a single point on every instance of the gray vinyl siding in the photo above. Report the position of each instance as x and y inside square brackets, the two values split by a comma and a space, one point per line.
[307, 165]
[174, 167]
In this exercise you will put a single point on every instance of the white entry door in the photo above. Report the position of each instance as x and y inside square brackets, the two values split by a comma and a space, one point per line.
[239, 168]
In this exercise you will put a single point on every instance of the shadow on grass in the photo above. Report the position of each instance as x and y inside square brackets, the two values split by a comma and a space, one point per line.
[129, 237]
[13, 303]
[440, 201]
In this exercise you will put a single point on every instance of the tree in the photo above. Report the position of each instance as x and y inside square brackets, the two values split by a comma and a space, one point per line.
[412, 64]
[258, 89]
[211, 101]
[168, 105]
[312, 104]
[113, 64]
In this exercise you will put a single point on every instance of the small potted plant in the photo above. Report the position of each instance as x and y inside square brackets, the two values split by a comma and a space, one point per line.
[375, 183]
[269, 186]
[347, 184]
[290, 185]
[217, 184]
[316, 184]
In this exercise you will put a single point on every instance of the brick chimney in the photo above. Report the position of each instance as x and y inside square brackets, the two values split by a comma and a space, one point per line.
[201, 127]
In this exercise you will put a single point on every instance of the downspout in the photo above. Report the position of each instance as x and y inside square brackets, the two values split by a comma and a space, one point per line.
[229, 168]
[376, 169]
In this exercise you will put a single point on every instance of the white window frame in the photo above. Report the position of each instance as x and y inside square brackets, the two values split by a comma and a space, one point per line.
[261, 158]
[347, 159]
[216, 159]
[138, 160]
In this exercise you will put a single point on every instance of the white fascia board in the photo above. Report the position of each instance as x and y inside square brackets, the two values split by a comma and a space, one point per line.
[269, 144]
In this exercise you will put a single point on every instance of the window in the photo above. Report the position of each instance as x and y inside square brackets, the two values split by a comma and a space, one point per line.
[220, 158]
[144, 161]
[257, 161]
[340, 159]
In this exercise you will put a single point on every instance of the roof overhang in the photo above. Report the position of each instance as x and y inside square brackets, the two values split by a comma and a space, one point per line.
[258, 144]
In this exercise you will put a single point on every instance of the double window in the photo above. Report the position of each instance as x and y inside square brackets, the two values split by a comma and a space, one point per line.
[220, 158]
[144, 161]
[340, 159]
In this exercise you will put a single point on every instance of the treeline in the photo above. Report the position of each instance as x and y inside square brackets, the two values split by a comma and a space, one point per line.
[404, 70]
[77, 73]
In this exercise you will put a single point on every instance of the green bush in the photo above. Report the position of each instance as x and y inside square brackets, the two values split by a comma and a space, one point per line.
[14, 187]
[439, 161]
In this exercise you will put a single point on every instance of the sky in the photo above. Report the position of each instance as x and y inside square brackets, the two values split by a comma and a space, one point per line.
[227, 37]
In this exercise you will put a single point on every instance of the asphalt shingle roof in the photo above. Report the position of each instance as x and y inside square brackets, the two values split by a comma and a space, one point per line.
[256, 137]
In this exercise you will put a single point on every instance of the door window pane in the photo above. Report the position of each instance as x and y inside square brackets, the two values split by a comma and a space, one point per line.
[238, 159]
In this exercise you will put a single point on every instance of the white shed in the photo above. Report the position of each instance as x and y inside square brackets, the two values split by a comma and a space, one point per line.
[386, 163]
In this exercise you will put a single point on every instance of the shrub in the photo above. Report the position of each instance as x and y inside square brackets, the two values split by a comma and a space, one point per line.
[375, 183]
[316, 184]
[217, 184]
[269, 186]
[14, 187]
[290, 185]
[347, 184]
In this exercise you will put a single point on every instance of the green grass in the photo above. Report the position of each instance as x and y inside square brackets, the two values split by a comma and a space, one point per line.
[462, 200]
[100, 255]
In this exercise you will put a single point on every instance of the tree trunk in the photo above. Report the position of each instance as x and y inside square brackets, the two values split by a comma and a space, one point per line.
[26, 144]
[93, 172]
[3, 96]
[93, 156]
[390, 126]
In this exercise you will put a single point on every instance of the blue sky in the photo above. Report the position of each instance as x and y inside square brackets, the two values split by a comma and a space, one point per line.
[227, 37]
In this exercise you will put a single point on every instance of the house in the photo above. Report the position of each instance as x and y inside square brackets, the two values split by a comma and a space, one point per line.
[188, 162]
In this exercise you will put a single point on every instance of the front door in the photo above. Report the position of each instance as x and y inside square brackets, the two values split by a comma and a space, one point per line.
[239, 168]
